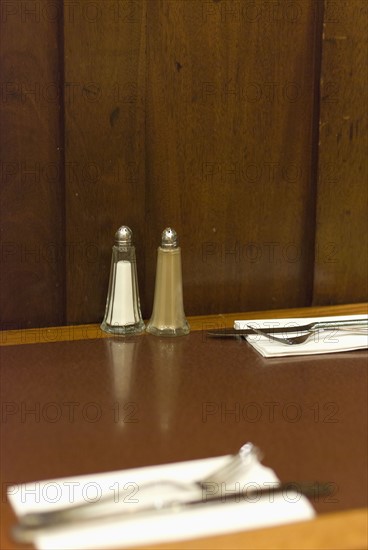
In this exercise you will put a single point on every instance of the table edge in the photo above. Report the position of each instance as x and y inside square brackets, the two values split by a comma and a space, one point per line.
[345, 530]
[42, 335]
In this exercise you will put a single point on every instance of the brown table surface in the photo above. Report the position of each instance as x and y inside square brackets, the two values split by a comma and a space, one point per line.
[104, 403]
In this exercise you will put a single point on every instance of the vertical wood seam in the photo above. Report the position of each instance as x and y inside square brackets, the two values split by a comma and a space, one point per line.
[61, 63]
[145, 251]
[317, 71]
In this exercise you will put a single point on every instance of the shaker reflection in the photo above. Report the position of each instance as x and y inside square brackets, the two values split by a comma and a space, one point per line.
[154, 364]
[166, 356]
[123, 360]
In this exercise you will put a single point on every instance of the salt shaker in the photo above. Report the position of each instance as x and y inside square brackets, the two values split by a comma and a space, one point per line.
[168, 317]
[123, 311]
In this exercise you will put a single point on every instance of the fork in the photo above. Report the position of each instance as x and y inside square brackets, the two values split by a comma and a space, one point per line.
[241, 461]
[296, 340]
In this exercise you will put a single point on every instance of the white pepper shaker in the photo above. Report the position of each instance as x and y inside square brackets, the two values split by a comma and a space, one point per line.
[168, 317]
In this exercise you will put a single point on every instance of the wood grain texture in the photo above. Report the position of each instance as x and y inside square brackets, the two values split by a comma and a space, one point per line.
[341, 264]
[105, 144]
[32, 249]
[202, 115]
[229, 128]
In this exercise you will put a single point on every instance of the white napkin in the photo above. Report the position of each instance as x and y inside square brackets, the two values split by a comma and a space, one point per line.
[200, 521]
[325, 341]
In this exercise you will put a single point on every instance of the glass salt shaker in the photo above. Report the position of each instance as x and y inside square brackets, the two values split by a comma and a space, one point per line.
[123, 311]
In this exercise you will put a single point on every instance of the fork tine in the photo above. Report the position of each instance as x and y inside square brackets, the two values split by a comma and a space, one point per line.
[241, 460]
[297, 340]
[289, 341]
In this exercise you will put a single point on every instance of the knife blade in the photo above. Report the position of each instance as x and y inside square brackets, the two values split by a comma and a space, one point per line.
[231, 332]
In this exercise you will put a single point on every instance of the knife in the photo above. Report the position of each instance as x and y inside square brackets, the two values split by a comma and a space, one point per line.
[27, 530]
[316, 325]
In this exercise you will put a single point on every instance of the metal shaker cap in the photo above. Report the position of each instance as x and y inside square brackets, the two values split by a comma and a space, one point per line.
[169, 238]
[123, 236]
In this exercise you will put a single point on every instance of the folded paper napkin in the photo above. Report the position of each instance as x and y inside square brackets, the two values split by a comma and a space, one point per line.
[324, 341]
[158, 527]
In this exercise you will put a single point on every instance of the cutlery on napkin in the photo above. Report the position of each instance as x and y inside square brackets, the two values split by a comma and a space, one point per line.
[326, 341]
[344, 324]
[253, 508]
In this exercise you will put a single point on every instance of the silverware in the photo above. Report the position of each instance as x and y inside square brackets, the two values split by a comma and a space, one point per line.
[32, 523]
[296, 340]
[317, 325]
[27, 533]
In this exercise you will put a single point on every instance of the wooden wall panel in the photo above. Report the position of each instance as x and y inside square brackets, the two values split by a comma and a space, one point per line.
[31, 167]
[229, 127]
[198, 114]
[105, 144]
[341, 268]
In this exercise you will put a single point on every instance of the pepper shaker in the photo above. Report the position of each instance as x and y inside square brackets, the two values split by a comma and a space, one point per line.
[168, 317]
[123, 311]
